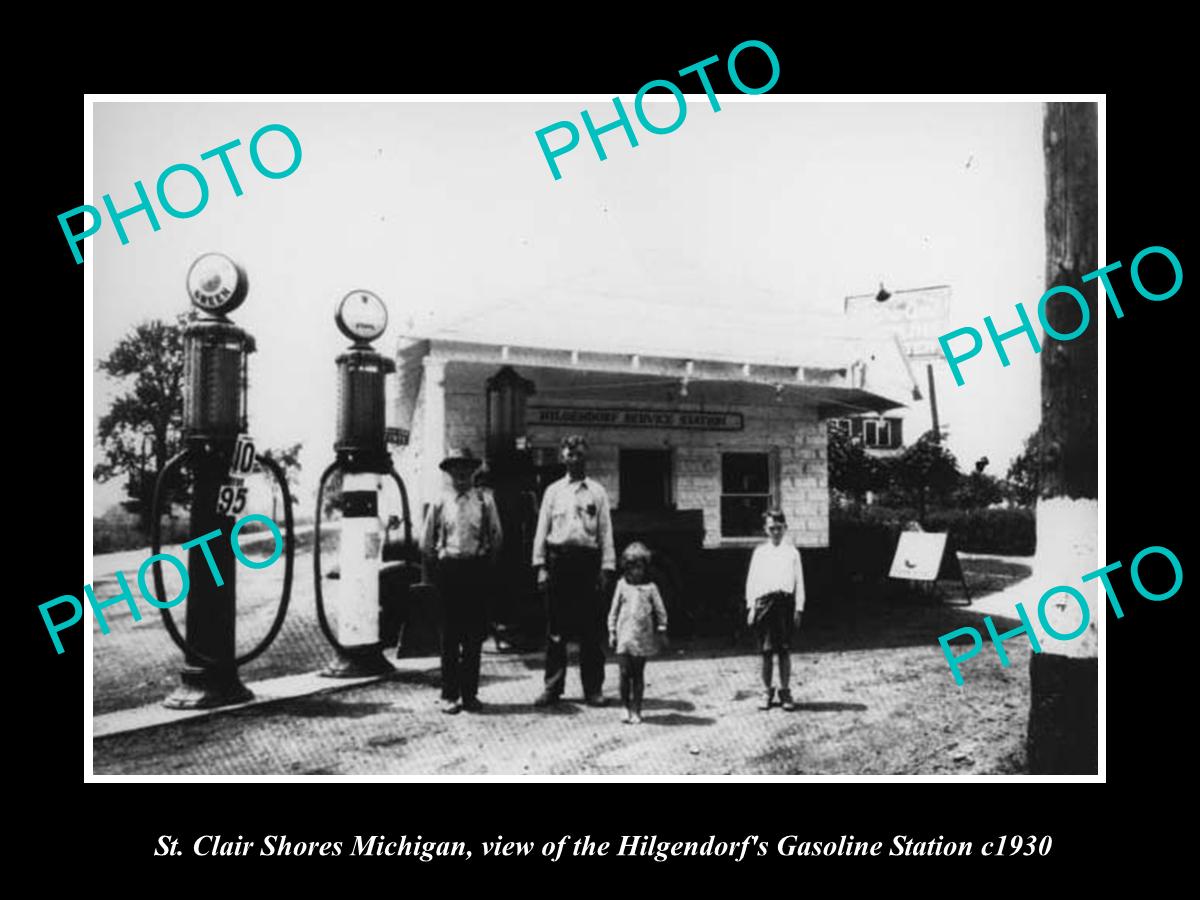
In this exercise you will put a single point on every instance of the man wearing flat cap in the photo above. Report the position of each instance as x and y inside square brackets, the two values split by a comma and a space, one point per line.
[460, 547]
[574, 555]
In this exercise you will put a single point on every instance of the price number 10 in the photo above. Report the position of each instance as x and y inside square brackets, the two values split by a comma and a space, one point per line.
[242, 461]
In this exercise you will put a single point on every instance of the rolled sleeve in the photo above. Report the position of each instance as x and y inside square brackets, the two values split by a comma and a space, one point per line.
[608, 558]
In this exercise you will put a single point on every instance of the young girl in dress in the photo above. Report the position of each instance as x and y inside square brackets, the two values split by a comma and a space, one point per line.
[636, 621]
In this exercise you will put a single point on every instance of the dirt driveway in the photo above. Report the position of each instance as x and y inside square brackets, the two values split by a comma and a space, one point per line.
[875, 696]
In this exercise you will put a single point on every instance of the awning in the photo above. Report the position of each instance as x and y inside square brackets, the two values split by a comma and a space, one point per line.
[835, 402]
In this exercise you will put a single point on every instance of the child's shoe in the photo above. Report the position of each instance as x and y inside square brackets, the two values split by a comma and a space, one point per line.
[786, 701]
[628, 717]
[768, 696]
[635, 719]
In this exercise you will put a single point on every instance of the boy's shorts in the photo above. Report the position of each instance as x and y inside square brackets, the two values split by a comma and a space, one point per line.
[774, 621]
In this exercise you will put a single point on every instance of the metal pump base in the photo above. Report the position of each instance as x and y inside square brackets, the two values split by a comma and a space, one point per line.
[208, 688]
[358, 662]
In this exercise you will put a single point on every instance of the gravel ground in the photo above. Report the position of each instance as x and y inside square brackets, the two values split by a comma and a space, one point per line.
[136, 663]
[875, 697]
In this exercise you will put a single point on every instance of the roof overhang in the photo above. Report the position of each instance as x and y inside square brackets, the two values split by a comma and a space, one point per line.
[693, 369]
[592, 375]
[833, 403]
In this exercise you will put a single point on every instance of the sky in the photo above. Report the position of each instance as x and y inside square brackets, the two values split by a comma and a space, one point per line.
[443, 208]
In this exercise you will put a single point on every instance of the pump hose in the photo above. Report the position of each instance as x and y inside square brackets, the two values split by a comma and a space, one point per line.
[322, 619]
[289, 557]
[404, 502]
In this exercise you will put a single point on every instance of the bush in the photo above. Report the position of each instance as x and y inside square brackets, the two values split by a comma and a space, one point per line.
[860, 546]
[1024, 475]
[924, 475]
[852, 471]
[863, 538]
[979, 491]
[1005, 531]
[110, 537]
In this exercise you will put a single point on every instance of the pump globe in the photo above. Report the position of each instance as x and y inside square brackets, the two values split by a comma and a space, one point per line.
[361, 316]
[216, 284]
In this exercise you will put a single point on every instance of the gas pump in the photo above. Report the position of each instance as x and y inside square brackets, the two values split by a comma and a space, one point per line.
[512, 479]
[363, 458]
[219, 453]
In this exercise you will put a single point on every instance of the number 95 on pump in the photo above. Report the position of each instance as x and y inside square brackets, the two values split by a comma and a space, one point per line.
[231, 499]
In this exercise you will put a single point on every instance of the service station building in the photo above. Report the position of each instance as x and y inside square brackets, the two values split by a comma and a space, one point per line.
[694, 434]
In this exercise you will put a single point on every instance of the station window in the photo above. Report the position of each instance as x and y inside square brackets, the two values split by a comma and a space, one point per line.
[746, 492]
[875, 433]
[882, 433]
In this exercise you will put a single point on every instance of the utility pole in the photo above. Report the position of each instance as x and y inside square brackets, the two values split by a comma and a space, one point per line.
[937, 428]
[1064, 677]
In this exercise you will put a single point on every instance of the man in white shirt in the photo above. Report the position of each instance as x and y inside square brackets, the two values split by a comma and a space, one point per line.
[462, 542]
[774, 604]
[576, 562]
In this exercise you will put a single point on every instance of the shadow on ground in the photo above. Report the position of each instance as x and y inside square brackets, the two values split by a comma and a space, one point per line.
[325, 705]
[678, 719]
[868, 616]
[831, 707]
[137, 664]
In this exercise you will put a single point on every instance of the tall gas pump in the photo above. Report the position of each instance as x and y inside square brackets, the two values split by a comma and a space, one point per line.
[512, 479]
[220, 454]
[364, 461]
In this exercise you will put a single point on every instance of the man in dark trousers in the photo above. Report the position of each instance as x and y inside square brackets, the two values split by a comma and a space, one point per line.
[460, 548]
[574, 555]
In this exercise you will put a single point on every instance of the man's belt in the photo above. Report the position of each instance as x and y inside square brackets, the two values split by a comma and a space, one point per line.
[570, 550]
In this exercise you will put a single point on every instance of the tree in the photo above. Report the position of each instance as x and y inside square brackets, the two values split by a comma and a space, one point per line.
[1025, 472]
[288, 459]
[979, 490]
[143, 427]
[852, 471]
[925, 473]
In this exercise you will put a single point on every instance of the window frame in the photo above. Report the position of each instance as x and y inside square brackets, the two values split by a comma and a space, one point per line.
[884, 429]
[870, 436]
[772, 495]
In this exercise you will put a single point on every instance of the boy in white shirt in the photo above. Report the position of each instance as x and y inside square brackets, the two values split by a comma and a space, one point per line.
[774, 603]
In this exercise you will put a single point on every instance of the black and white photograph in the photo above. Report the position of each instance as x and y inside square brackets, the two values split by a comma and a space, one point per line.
[512, 437]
